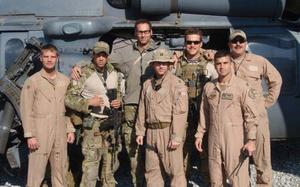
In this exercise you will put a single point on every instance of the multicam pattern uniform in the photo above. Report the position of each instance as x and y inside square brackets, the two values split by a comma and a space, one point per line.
[161, 118]
[133, 62]
[195, 74]
[96, 145]
[254, 69]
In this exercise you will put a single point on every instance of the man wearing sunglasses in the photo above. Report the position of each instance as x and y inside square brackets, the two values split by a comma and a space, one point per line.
[195, 69]
[254, 69]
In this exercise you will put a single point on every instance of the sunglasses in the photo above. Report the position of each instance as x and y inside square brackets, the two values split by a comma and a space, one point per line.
[189, 42]
[238, 39]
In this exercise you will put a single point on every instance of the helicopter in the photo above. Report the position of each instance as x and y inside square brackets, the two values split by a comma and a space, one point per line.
[272, 27]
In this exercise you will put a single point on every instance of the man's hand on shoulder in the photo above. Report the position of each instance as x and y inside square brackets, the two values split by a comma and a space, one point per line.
[76, 72]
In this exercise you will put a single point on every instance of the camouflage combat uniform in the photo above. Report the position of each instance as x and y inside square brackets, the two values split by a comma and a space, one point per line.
[133, 62]
[195, 74]
[96, 145]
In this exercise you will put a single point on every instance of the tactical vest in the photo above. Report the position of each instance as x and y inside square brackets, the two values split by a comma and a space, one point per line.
[193, 74]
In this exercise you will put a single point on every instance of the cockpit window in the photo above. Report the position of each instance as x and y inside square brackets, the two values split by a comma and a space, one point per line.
[13, 49]
[282, 54]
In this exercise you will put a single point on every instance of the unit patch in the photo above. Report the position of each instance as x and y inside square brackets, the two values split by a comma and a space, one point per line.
[212, 95]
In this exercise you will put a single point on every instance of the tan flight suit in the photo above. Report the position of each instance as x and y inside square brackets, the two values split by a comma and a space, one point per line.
[195, 74]
[228, 114]
[43, 116]
[96, 146]
[162, 117]
[134, 64]
[253, 69]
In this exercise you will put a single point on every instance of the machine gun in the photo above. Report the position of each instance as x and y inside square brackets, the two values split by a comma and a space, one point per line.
[113, 122]
[114, 119]
[10, 91]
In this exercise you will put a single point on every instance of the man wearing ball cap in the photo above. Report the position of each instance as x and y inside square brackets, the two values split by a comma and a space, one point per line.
[88, 96]
[254, 69]
[161, 122]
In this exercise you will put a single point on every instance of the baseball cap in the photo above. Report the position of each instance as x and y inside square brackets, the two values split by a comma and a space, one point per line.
[101, 47]
[162, 55]
[236, 33]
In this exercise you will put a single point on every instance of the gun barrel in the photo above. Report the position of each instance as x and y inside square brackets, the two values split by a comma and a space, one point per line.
[5, 125]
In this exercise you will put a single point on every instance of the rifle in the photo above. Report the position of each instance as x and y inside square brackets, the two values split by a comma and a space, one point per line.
[113, 122]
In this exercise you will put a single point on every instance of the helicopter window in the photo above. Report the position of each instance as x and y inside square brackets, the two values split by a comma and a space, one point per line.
[13, 49]
[282, 57]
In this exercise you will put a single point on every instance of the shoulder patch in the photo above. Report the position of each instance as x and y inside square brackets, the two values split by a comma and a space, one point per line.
[213, 95]
[182, 91]
[252, 93]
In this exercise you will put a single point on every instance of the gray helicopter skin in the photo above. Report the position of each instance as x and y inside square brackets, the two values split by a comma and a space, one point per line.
[74, 26]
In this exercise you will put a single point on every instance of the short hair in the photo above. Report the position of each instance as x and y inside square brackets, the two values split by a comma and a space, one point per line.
[49, 47]
[142, 21]
[191, 31]
[222, 53]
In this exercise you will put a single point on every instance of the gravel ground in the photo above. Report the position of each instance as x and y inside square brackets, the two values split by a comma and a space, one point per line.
[285, 160]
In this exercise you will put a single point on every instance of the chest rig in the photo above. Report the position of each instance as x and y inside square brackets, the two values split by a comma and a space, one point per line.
[194, 74]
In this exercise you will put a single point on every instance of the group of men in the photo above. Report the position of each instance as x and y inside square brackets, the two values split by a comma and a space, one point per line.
[175, 104]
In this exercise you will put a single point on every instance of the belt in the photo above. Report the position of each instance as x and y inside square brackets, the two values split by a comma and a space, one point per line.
[158, 125]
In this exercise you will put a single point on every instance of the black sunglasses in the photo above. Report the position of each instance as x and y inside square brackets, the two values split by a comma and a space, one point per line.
[188, 42]
[238, 39]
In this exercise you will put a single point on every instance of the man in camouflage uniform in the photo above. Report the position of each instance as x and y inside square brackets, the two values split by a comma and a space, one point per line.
[161, 118]
[88, 96]
[133, 61]
[195, 69]
[254, 69]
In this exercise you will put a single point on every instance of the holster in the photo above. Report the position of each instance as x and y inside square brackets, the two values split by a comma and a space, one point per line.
[88, 122]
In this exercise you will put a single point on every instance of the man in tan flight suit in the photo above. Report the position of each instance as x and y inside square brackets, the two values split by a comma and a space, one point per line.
[88, 96]
[228, 114]
[254, 69]
[45, 125]
[161, 118]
